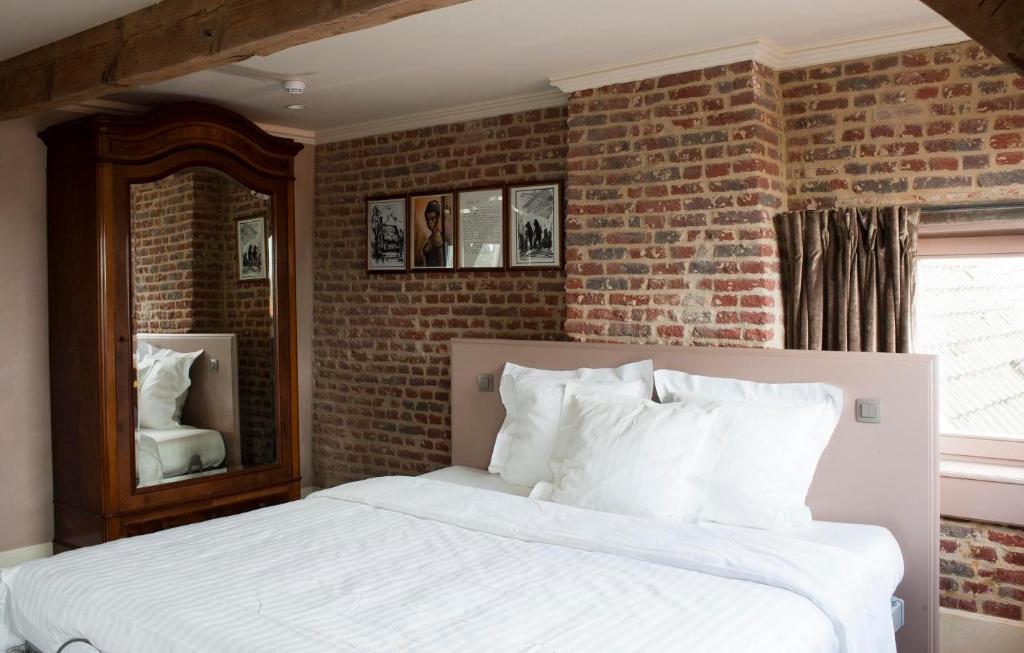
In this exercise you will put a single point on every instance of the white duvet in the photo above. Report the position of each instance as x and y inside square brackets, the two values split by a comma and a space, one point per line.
[411, 564]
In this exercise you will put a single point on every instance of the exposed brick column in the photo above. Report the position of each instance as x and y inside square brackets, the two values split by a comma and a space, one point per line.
[673, 183]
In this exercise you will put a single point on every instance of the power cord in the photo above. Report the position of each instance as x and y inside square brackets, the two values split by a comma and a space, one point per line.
[77, 640]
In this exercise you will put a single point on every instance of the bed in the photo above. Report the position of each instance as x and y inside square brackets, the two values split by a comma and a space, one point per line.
[163, 455]
[459, 560]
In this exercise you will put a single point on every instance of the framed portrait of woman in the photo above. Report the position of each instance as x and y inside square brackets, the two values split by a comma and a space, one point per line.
[432, 231]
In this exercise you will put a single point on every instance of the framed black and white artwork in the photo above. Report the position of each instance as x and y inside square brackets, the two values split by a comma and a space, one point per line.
[535, 226]
[481, 229]
[252, 249]
[386, 235]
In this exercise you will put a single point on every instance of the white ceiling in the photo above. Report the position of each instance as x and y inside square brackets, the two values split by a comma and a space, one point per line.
[486, 51]
[27, 24]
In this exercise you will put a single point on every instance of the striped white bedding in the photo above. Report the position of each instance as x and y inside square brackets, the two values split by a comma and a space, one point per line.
[408, 564]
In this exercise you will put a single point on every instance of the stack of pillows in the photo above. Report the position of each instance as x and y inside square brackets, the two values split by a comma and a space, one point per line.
[713, 449]
[163, 381]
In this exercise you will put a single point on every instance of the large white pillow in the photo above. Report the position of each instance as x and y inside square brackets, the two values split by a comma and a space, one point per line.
[767, 443]
[533, 405]
[163, 378]
[631, 456]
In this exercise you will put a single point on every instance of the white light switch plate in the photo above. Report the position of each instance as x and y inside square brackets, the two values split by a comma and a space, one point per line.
[868, 411]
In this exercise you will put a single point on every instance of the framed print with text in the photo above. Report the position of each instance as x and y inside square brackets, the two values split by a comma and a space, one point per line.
[481, 229]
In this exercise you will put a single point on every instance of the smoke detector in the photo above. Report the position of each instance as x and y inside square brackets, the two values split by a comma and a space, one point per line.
[293, 86]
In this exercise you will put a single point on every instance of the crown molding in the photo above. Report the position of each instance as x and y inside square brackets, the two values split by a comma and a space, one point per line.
[90, 107]
[677, 62]
[763, 51]
[476, 111]
[305, 136]
[870, 46]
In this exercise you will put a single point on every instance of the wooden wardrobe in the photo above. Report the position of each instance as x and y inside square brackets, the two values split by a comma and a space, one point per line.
[113, 184]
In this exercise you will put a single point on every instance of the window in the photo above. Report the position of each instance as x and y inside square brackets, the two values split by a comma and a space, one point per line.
[969, 311]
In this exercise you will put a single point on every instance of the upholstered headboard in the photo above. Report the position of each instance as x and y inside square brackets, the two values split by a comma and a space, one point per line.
[213, 397]
[885, 473]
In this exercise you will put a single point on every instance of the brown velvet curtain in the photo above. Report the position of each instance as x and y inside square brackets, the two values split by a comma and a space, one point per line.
[848, 277]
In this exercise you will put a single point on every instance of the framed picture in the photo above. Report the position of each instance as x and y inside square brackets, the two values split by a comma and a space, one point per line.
[432, 227]
[386, 235]
[535, 226]
[481, 229]
[252, 249]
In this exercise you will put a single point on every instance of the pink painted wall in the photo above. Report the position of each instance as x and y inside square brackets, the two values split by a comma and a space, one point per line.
[25, 480]
[304, 178]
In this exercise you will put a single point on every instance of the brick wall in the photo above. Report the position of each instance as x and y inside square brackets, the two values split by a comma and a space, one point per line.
[162, 255]
[380, 402]
[982, 568]
[933, 125]
[673, 183]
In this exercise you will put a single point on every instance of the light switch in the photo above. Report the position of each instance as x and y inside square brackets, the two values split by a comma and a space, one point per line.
[868, 411]
[485, 382]
[214, 366]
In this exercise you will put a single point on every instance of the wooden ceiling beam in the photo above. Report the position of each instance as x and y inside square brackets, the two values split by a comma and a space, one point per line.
[998, 25]
[178, 37]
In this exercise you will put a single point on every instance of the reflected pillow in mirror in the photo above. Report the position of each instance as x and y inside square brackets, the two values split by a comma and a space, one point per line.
[163, 379]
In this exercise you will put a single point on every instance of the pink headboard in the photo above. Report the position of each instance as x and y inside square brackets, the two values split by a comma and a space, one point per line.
[885, 474]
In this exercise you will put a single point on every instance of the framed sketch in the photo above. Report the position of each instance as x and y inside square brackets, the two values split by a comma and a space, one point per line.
[535, 226]
[252, 249]
[432, 231]
[481, 229]
[386, 235]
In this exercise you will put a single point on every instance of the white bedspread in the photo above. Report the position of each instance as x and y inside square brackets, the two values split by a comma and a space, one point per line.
[407, 564]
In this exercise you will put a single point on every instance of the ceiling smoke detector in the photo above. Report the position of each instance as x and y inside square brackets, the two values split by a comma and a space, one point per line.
[293, 86]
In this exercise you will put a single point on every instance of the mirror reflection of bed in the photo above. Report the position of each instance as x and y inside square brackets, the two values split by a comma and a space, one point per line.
[181, 437]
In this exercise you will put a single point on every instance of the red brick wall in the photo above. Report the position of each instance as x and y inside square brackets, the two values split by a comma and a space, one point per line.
[380, 403]
[162, 255]
[933, 125]
[673, 183]
[982, 568]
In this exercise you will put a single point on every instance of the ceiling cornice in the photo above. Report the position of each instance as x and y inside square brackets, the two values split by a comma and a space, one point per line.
[89, 107]
[305, 136]
[476, 111]
[763, 51]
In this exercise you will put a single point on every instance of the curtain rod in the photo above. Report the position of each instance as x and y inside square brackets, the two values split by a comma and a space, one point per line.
[977, 206]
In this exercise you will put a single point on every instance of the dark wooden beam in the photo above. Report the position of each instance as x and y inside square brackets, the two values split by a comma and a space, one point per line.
[177, 37]
[996, 24]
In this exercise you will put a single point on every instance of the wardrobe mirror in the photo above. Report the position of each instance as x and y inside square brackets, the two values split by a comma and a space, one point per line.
[203, 327]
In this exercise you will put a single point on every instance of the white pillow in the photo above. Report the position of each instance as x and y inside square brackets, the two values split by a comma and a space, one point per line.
[163, 378]
[631, 456]
[637, 389]
[533, 405]
[768, 439]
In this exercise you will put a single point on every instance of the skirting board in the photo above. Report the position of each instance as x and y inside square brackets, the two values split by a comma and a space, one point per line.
[24, 554]
[965, 632]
